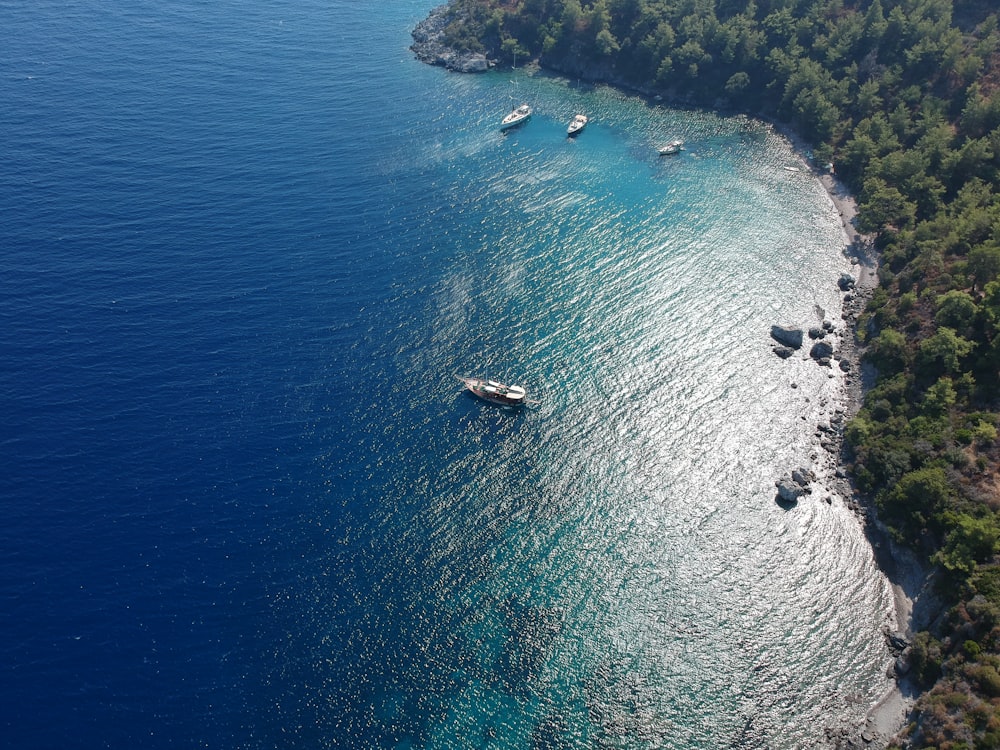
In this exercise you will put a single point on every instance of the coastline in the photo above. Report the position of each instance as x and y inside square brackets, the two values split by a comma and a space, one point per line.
[912, 606]
[890, 713]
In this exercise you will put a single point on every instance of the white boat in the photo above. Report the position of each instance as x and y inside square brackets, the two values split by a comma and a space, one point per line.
[496, 393]
[674, 147]
[577, 124]
[519, 115]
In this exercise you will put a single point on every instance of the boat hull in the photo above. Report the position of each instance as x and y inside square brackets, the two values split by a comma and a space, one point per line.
[578, 124]
[514, 123]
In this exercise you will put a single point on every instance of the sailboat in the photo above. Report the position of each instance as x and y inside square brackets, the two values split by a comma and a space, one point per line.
[520, 114]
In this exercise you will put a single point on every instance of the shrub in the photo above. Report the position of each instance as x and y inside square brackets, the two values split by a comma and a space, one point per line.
[984, 433]
[925, 658]
[987, 679]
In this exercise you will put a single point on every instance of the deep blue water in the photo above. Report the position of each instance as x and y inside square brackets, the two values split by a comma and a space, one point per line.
[246, 248]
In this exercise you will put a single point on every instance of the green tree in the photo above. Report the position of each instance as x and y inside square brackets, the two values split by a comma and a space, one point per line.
[939, 398]
[606, 43]
[868, 101]
[973, 160]
[875, 24]
[956, 309]
[883, 208]
[889, 351]
[969, 541]
[943, 352]
[571, 18]
[981, 113]
[737, 83]
[984, 264]
[917, 497]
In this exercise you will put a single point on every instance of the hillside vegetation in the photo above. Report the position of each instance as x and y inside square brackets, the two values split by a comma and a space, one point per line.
[904, 99]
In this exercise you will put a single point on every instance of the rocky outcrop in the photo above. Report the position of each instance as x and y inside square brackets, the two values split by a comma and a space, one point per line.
[429, 47]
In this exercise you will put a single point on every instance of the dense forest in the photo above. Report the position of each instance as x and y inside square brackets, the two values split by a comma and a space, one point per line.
[903, 97]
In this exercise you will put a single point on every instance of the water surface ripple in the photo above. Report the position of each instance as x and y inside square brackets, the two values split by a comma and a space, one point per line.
[247, 249]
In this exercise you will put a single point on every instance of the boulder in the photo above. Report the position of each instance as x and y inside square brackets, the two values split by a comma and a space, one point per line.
[803, 477]
[792, 487]
[902, 664]
[821, 350]
[845, 282]
[791, 337]
[789, 490]
[897, 642]
[784, 351]
[817, 333]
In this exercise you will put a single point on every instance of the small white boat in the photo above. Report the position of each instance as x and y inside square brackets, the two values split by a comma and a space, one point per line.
[674, 147]
[577, 124]
[519, 115]
[496, 393]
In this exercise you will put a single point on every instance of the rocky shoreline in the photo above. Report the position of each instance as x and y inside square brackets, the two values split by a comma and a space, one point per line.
[891, 712]
[914, 604]
[429, 46]
[834, 345]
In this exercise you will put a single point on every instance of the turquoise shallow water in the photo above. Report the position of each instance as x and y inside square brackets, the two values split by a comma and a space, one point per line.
[246, 250]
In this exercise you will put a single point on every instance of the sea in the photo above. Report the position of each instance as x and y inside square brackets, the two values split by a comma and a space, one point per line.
[246, 250]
